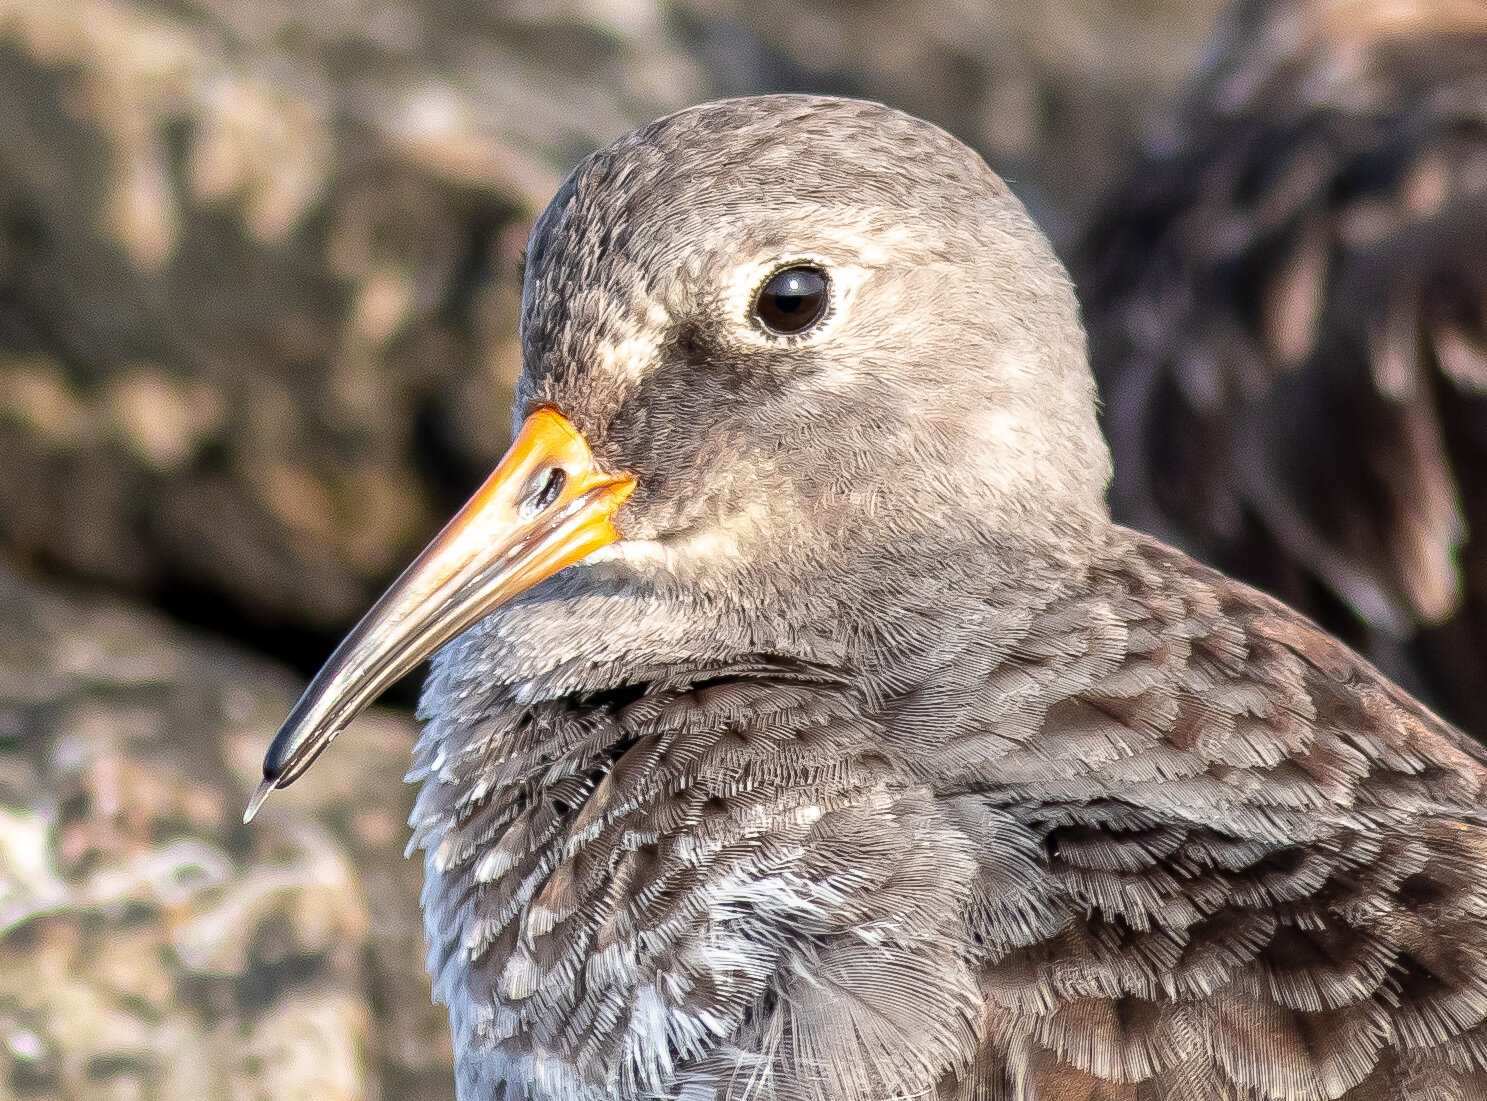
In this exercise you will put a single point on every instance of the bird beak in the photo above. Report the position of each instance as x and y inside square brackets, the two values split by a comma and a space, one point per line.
[544, 508]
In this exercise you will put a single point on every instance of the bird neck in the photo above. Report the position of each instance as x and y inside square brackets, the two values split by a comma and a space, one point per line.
[592, 628]
[683, 729]
[586, 642]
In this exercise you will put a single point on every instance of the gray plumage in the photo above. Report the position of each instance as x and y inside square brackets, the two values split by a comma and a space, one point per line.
[875, 761]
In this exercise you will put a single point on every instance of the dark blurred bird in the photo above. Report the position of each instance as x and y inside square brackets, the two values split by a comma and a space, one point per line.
[867, 758]
[1288, 315]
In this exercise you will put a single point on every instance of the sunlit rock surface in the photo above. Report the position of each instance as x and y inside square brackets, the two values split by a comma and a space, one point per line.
[153, 947]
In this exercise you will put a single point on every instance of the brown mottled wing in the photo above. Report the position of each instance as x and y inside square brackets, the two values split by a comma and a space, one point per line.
[1288, 316]
[1220, 857]
[1143, 834]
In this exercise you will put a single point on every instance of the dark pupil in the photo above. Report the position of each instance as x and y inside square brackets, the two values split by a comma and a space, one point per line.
[793, 300]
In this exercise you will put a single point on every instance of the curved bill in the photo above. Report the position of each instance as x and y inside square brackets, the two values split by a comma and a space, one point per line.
[544, 508]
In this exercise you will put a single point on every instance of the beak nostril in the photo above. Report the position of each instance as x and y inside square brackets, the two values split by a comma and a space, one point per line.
[545, 507]
[549, 489]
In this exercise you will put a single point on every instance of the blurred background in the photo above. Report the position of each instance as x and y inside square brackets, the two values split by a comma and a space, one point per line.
[258, 289]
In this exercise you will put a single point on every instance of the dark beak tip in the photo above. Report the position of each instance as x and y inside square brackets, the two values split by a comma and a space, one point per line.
[481, 558]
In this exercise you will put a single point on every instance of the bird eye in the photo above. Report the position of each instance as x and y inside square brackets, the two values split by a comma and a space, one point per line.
[792, 300]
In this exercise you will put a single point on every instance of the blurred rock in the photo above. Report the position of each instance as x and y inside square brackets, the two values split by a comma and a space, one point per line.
[259, 274]
[151, 946]
[259, 259]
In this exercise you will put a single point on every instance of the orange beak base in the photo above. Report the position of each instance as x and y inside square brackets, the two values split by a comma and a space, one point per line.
[545, 507]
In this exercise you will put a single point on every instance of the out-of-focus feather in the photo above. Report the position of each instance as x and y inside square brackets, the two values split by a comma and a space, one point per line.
[1287, 306]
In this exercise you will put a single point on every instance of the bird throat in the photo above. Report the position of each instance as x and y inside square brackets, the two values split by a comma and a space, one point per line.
[626, 858]
[615, 875]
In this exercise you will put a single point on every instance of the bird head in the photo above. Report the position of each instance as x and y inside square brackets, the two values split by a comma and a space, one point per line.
[777, 352]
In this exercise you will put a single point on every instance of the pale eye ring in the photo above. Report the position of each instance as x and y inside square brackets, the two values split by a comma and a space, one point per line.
[793, 300]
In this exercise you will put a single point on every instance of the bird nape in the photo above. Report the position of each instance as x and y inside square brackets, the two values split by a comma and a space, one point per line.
[804, 728]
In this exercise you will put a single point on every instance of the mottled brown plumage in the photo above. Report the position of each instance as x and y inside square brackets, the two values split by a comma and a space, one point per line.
[1288, 313]
[1163, 840]
[873, 760]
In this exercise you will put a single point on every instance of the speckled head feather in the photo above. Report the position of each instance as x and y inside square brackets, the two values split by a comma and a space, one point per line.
[637, 324]
[779, 475]
[872, 761]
